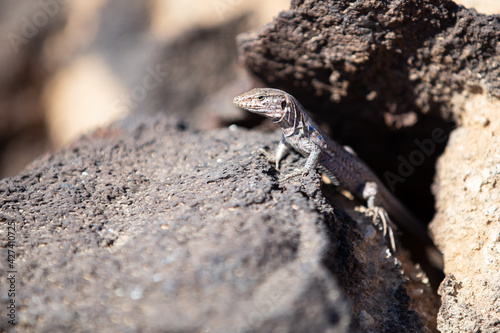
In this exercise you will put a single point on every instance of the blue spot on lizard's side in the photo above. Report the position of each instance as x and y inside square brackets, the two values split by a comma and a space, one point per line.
[311, 128]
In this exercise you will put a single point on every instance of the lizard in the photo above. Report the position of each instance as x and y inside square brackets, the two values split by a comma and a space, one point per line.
[339, 164]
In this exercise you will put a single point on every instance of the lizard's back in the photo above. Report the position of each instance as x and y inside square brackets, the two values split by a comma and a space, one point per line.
[352, 173]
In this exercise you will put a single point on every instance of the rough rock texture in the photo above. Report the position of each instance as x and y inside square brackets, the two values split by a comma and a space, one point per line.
[148, 226]
[401, 56]
[385, 76]
[467, 221]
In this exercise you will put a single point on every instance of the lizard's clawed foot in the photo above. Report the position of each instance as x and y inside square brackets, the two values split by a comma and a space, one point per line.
[300, 172]
[270, 158]
[379, 215]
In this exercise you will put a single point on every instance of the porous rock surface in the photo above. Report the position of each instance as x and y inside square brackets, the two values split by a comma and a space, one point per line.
[149, 226]
[467, 222]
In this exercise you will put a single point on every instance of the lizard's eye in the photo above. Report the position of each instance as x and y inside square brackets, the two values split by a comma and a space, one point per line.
[260, 98]
[283, 105]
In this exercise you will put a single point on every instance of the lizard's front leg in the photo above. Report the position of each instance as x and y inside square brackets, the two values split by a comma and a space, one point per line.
[311, 163]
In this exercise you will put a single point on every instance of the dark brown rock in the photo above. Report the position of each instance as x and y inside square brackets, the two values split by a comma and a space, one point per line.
[399, 57]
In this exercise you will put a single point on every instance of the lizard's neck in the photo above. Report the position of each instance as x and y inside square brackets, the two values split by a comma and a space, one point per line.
[293, 119]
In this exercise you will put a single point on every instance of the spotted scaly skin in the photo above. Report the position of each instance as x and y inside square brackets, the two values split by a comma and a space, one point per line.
[343, 167]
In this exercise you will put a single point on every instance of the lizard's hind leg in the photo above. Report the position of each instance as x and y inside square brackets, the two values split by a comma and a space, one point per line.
[379, 214]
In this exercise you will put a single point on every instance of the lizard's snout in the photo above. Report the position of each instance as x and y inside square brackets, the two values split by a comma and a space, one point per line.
[237, 100]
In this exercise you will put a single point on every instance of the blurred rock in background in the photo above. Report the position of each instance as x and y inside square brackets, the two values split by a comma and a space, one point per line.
[69, 67]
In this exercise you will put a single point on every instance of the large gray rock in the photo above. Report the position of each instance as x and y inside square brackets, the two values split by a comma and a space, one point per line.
[148, 226]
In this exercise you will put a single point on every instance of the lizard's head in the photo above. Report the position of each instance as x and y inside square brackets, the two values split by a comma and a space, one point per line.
[271, 103]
